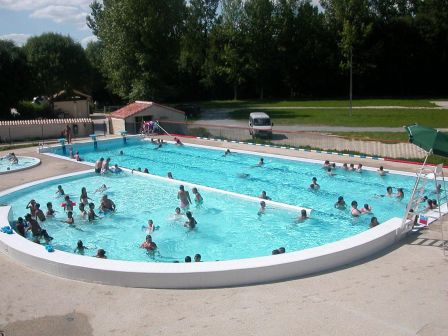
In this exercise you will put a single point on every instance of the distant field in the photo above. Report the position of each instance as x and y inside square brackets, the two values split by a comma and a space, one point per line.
[316, 103]
[360, 117]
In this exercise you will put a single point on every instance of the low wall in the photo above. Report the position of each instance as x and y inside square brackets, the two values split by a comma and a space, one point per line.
[43, 129]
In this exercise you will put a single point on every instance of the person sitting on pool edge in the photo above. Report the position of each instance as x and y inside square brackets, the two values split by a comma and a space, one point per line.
[107, 204]
[191, 222]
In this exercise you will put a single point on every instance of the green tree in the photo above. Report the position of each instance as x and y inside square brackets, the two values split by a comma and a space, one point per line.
[140, 45]
[57, 63]
[14, 77]
[351, 18]
[200, 20]
[259, 30]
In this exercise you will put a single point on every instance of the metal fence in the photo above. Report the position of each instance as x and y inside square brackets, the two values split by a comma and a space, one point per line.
[312, 140]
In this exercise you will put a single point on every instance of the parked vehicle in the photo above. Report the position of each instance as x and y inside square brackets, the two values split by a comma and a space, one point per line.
[260, 125]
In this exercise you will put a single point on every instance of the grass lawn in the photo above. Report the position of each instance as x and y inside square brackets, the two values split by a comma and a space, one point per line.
[360, 117]
[316, 103]
[386, 137]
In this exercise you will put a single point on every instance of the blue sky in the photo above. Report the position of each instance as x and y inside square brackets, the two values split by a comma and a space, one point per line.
[20, 19]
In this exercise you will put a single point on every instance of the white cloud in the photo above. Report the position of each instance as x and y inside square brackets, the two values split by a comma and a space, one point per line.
[18, 39]
[60, 11]
[88, 39]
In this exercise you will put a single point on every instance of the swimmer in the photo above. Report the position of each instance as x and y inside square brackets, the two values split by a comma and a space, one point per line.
[198, 200]
[359, 169]
[80, 248]
[50, 210]
[281, 250]
[99, 165]
[260, 163]
[60, 191]
[400, 194]
[84, 199]
[438, 189]
[115, 169]
[170, 175]
[68, 204]
[101, 254]
[146, 171]
[107, 204]
[148, 244]
[264, 196]
[19, 226]
[262, 208]
[303, 216]
[32, 206]
[39, 213]
[275, 252]
[314, 185]
[82, 211]
[121, 153]
[355, 212]
[184, 197]
[197, 257]
[330, 172]
[326, 164]
[187, 259]
[227, 152]
[177, 214]
[101, 189]
[344, 166]
[92, 215]
[389, 192]
[158, 146]
[191, 222]
[381, 171]
[340, 203]
[373, 222]
[70, 220]
[366, 209]
[13, 159]
[352, 167]
[151, 227]
[178, 142]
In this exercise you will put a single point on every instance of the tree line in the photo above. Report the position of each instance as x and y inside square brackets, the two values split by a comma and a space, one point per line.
[201, 49]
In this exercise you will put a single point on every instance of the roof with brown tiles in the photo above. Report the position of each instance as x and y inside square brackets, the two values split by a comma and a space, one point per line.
[137, 107]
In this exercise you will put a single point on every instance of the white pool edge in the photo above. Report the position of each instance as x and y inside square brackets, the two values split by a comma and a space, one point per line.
[199, 275]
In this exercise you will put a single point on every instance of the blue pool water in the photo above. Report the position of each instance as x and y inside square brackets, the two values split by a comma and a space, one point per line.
[228, 227]
[24, 162]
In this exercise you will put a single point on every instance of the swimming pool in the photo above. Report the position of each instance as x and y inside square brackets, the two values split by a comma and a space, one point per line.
[358, 243]
[24, 162]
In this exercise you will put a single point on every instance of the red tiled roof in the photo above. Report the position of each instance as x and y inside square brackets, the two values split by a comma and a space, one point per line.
[136, 107]
[130, 110]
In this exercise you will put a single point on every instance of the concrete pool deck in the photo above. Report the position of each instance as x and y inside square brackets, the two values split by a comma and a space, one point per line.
[403, 291]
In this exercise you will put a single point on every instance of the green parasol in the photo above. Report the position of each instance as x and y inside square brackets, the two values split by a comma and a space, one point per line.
[429, 139]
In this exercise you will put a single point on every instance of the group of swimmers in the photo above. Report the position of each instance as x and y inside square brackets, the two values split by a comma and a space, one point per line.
[103, 166]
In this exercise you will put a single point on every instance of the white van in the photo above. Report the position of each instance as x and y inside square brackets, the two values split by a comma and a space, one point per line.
[260, 124]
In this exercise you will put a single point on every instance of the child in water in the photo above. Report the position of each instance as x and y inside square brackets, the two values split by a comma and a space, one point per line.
[198, 200]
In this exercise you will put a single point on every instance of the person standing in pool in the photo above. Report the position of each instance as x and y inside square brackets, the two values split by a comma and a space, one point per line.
[107, 204]
[84, 199]
[262, 209]
[191, 222]
[92, 215]
[261, 162]
[355, 211]
[99, 165]
[184, 197]
[340, 203]
[198, 200]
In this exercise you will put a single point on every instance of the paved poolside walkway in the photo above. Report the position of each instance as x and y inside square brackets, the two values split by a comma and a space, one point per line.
[403, 291]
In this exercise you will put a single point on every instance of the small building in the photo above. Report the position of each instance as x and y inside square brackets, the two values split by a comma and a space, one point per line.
[131, 117]
[72, 104]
